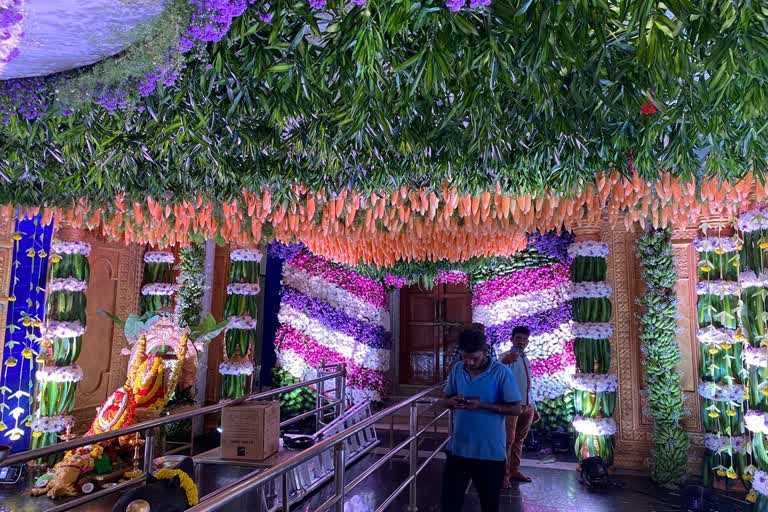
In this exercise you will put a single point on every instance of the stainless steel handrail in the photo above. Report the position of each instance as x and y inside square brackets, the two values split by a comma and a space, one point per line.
[164, 420]
[251, 481]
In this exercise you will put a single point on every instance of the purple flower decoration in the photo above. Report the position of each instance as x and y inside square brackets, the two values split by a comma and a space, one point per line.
[475, 4]
[317, 4]
[359, 2]
[552, 244]
[266, 17]
[185, 45]
[212, 18]
[285, 251]
[455, 5]
[11, 19]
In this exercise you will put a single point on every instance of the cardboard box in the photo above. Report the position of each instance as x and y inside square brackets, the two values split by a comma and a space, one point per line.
[250, 431]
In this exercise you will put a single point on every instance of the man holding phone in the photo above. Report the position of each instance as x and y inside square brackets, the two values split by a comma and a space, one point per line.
[483, 393]
[519, 426]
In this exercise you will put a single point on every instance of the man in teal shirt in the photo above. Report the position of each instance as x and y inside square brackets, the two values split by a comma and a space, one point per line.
[482, 392]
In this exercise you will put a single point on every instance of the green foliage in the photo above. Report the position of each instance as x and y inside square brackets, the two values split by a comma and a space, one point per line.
[295, 402]
[556, 413]
[662, 355]
[526, 95]
[189, 297]
[478, 269]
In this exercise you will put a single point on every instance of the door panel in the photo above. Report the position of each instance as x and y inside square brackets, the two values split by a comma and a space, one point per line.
[430, 323]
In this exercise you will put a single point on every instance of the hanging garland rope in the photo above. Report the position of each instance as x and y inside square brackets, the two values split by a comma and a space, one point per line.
[241, 312]
[720, 350]
[355, 227]
[594, 389]
[62, 337]
[662, 356]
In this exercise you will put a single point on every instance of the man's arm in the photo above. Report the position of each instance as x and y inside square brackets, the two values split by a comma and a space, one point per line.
[509, 409]
[508, 357]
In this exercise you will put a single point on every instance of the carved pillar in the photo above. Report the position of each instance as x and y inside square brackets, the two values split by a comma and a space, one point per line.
[7, 222]
[585, 231]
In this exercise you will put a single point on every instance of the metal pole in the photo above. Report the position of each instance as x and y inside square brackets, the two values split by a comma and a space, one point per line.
[286, 502]
[149, 450]
[413, 454]
[339, 480]
[341, 391]
[319, 403]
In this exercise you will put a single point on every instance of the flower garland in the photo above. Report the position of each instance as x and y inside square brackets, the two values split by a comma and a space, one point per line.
[519, 283]
[53, 424]
[84, 457]
[544, 345]
[159, 257]
[756, 421]
[526, 304]
[187, 484]
[718, 288]
[396, 282]
[718, 245]
[60, 374]
[71, 248]
[159, 289]
[239, 367]
[716, 442]
[334, 315]
[589, 290]
[68, 285]
[243, 289]
[245, 323]
[716, 337]
[63, 329]
[753, 220]
[595, 426]
[756, 356]
[246, 255]
[592, 330]
[117, 411]
[191, 284]
[11, 29]
[748, 279]
[588, 250]
[595, 382]
[721, 392]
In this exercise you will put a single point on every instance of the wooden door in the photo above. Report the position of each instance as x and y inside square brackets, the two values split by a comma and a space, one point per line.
[430, 322]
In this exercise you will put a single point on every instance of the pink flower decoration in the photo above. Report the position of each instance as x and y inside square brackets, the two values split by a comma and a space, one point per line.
[520, 282]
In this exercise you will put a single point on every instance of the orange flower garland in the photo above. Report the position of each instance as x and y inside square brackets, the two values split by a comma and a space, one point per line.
[411, 223]
[148, 383]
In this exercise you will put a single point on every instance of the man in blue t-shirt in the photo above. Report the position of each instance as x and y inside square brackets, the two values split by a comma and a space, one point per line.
[482, 392]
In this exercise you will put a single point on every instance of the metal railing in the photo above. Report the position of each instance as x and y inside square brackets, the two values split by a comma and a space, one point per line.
[256, 479]
[148, 429]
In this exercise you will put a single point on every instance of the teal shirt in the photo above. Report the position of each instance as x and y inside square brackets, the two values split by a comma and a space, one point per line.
[481, 434]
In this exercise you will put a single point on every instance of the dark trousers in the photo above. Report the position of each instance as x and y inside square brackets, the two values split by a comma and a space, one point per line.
[487, 475]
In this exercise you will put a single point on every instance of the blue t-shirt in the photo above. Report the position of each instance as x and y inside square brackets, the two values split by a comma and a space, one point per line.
[481, 434]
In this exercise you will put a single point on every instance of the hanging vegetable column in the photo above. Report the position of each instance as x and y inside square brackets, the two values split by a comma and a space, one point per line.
[62, 337]
[241, 311]
[754, 324]
[594, 389]
[720, 352]
[662, 356]
[157, 292]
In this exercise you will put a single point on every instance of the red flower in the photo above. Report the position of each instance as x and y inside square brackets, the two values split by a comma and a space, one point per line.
[648, 108]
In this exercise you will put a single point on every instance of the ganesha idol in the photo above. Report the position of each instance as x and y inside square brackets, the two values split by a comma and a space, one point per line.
[161, 359]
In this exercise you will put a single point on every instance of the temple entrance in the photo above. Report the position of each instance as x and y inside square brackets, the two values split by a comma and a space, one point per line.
[430, 321]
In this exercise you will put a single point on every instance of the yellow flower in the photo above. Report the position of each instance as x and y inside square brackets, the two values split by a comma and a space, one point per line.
[745, 396]
[731, 474]
[720, 472]
[719, 251]
[27, 322]
[55, 258]
[36, 434]
[713, 414]
[38, 323]
[27, 353]
[16, 236]
[28, 424]
[736, 264]
[3, 426]
[747, 477]
[12, 298]
[40, 358]
[765, 391]
[764, 244]
[42, 253]
[726, 346]
[10, 362]
[713, 350]
[706, 268]
[752, 496]
[31, 252]
[731, 412]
